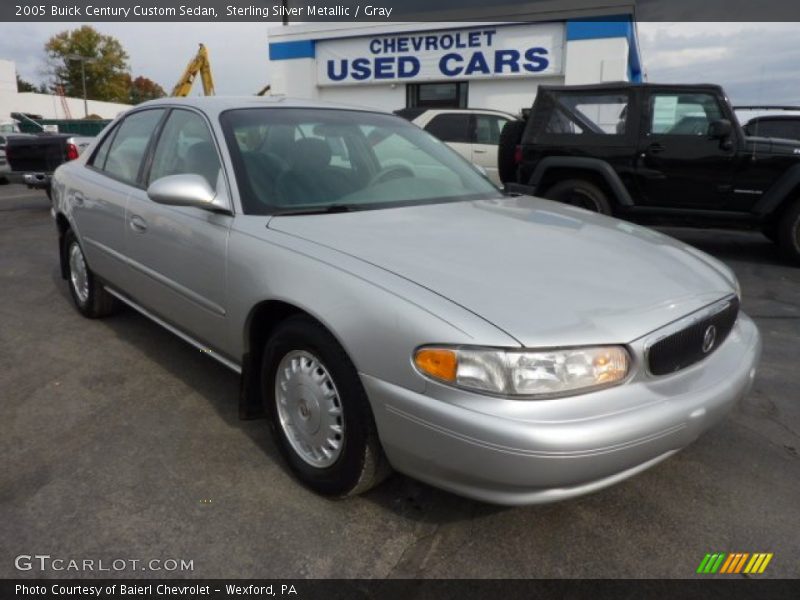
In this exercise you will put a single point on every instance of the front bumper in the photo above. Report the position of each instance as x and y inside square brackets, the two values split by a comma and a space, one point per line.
[535, 451]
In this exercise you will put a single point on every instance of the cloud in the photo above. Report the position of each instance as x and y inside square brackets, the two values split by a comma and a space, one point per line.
[756, 63]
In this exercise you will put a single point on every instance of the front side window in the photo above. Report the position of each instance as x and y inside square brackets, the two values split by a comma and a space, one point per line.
[127, 149]
[288, 159]
[186, 146]
[683, 114]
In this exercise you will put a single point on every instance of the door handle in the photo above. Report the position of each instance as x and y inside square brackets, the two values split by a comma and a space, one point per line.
[138, 224]
[477, 151]
[78, 198]
[655, 148]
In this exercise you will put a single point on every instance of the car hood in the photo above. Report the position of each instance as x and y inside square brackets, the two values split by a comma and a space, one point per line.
[545, 273]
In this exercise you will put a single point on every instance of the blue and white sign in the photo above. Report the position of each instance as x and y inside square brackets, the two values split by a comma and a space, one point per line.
[470, 53]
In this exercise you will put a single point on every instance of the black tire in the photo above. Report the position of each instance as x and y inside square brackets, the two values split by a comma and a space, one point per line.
[789, 232]
[361, 464]
[510, 137]
[98, 303]
[581, 193]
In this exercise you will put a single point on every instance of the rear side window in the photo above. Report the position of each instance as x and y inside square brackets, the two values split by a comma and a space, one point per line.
[450, 127]
[488, 128]
[127, 149]
[100, 155]
[589, 114]
[186, 146]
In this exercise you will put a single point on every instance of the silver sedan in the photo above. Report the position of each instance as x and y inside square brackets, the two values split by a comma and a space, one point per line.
[387, 307]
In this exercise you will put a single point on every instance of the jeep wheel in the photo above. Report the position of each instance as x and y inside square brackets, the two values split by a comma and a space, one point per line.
[90, 297]
[789, 232]
[510, 137]
[580, 193]
[319, 411]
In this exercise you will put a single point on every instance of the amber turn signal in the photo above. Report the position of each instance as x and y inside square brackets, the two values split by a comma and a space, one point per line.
[437, 362]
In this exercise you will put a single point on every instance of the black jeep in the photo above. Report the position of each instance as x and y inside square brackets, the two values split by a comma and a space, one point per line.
[655, 154]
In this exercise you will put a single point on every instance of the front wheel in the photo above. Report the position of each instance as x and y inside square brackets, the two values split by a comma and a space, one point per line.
[580, 193]
[789, 232]
[90, 297]
[319, 411]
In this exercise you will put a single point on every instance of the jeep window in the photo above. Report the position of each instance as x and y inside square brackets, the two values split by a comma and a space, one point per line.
[452, 127]
[683, 114]
[589, 114]
[289, 160]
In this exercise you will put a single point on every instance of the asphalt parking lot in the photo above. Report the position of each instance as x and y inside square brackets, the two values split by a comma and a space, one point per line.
[121, 441]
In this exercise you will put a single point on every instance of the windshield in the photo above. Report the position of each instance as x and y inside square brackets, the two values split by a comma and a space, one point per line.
[291, 160]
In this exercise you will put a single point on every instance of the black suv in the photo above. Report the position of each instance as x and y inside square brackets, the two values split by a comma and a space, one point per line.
[655, 154]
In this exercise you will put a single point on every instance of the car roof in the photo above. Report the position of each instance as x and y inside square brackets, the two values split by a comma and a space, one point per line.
[218, 104]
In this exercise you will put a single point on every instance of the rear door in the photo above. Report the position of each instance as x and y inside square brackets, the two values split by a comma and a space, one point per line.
[178, 253]
[487, 130]
[99, 192]
[679, 165]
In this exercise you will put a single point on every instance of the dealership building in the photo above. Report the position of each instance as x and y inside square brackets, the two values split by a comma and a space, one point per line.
[491, 64]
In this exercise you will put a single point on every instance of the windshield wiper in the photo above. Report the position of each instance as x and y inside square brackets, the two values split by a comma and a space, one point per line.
[318, 210]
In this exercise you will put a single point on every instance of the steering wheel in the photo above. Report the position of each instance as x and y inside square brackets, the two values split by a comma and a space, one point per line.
[389, 173]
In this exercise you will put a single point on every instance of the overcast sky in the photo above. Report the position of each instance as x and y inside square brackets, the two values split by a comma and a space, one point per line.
[755, 62]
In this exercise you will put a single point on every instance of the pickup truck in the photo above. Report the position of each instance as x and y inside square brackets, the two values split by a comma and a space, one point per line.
[33, 158]
[650, 153]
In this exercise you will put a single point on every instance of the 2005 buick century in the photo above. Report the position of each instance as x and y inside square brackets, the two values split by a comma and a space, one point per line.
[387, 307]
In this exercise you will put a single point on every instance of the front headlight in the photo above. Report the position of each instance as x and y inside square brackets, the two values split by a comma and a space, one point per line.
[525, 373]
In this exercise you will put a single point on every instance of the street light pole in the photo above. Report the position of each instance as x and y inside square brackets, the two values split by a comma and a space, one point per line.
[83, 60]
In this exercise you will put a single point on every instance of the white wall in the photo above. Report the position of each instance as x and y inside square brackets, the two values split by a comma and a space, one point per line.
[384, 97]
[510, 95]
[47, 105]
[596, 61]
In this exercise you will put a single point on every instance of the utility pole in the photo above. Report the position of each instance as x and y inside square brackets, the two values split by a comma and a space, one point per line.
[83, 60]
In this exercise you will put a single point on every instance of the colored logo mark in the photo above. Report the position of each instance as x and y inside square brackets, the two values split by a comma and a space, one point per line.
[735, 562]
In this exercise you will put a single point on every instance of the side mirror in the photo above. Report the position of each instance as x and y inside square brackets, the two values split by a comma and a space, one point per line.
[720, 129]
[184, 190]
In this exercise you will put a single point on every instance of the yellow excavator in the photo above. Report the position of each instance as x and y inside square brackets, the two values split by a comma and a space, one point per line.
[199, 64]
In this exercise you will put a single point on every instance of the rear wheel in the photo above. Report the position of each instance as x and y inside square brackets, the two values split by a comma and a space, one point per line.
[580, 193]
[90, 297]
[319, 411]
[789, 232]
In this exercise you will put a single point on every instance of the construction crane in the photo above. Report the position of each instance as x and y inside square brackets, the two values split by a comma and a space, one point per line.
[199, 64]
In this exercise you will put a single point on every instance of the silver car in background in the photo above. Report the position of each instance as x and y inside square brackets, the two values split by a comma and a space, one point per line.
[387, 307]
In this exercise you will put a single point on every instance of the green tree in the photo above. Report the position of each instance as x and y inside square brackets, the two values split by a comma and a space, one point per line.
[106, 68]
[25, 86]
[142, 89]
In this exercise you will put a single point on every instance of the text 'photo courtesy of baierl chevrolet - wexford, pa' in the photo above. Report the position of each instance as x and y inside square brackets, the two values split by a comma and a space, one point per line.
[419, 299]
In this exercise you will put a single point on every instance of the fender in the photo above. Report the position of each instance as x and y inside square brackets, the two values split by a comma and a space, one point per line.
[777, 192]
[600, 167]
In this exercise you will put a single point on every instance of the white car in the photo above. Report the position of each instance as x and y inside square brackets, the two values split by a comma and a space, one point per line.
[472, 132]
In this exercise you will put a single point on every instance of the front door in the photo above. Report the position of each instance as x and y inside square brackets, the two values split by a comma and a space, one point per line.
[178, 253]
[679, 165]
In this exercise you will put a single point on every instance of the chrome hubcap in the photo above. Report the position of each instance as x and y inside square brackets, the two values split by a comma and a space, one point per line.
[78, 273]
[309, 409]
